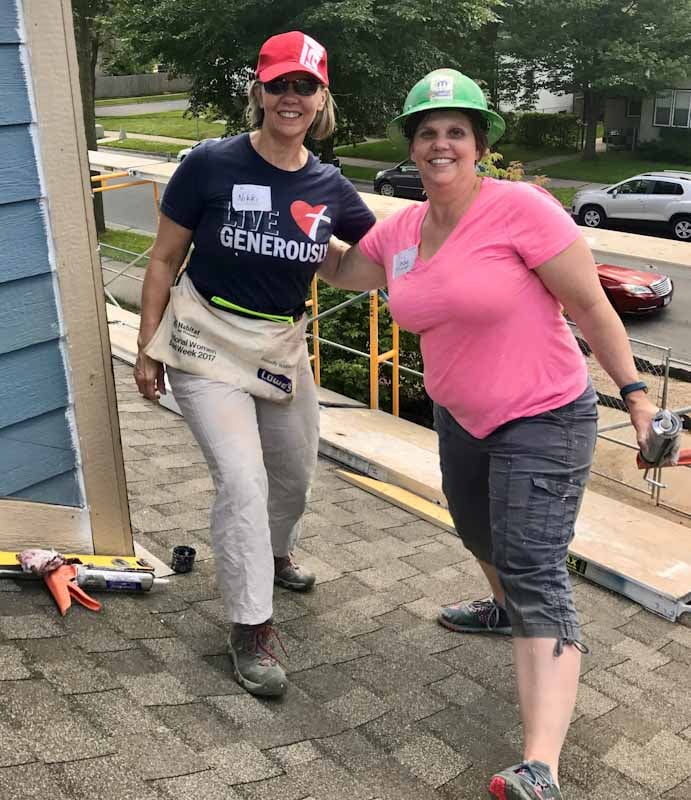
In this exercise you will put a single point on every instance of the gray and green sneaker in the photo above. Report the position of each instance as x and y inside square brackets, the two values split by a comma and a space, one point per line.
[476, 616]
[255, 666]
[290, 575]
[531, 780]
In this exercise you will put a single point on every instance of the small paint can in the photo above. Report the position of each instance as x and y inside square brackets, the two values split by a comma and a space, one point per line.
[183, 558]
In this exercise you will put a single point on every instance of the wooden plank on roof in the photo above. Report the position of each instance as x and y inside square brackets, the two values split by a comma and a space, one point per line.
[28, 313]
[14, 97]
[106, 161]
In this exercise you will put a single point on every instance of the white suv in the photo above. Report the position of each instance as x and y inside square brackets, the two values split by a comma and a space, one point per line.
[663, 196]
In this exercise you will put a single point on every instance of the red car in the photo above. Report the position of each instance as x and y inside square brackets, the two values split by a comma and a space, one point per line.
[635, 291]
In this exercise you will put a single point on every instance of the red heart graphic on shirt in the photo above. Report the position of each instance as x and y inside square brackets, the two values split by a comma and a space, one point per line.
[309, 218]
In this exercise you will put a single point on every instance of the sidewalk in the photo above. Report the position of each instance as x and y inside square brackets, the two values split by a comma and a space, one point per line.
[138, 702]
[111, 136]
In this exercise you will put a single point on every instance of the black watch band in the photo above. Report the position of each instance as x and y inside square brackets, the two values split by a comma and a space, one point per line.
[638, 386]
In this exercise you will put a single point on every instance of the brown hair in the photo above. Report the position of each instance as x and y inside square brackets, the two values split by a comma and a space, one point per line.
[478, 122]
[324, 123]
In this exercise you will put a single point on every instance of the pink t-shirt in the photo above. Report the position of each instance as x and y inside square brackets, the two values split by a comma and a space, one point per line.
[494, 342]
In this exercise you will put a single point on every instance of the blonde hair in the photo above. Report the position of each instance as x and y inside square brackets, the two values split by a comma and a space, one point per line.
[324, 123]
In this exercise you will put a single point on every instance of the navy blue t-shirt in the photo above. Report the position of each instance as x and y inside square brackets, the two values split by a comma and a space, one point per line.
[260, 232]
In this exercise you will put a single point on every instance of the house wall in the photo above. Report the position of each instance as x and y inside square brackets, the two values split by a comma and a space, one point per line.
[648, 131]
[38, 449]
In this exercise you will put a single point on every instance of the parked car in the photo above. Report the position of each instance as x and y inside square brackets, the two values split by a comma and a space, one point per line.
[662, 197]
[403, 180]
[182, 154]
[634, 291]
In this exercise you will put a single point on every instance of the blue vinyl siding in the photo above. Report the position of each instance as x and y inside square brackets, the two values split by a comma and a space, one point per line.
[14, 98]
[32, 382]
[23, 241]
[19, 175]
[8, 21]
[61, 490]
[30, 299]
[37, 450]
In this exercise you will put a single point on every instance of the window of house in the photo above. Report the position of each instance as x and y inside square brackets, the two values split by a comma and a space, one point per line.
[633, 107]
[673, 108]
[680, 117]
[663, 108]
[666, 187]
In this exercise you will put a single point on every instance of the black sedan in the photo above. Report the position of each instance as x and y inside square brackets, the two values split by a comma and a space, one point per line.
[403, 180]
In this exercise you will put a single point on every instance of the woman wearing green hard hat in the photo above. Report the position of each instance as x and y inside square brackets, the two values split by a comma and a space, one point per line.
[481, 272]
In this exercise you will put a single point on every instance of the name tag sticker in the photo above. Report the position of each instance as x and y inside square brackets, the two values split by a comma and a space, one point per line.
[250, 197]
[404, 261]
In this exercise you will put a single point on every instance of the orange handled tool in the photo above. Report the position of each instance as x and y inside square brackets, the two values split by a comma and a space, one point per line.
[62, 584]
[684, 461]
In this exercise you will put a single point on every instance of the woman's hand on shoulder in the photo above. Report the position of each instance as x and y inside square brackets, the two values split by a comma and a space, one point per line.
[149, 376]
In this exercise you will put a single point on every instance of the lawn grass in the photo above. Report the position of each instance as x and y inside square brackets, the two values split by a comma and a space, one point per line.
[145, 146]
[608, 168]
[150, 98]
[165, 123]
[377, 150]
[564, 196]
[525, 154]
[124, 240]
[359, 173]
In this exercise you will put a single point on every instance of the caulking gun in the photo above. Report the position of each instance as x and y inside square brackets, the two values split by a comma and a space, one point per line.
[96, 579]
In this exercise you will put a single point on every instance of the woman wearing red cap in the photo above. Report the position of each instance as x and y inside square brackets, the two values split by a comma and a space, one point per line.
[260, 210]
[481, 271]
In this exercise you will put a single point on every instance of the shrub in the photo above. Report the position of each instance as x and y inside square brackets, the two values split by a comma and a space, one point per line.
[511, 119]
[547, 130]
[674, 144]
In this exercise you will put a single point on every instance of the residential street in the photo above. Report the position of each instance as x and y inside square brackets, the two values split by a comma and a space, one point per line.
[130, 109]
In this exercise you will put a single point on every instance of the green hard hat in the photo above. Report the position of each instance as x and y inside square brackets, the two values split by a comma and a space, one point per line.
[447, 88]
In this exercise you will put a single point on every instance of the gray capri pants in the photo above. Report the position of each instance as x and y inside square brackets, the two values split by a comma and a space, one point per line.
[514, 497]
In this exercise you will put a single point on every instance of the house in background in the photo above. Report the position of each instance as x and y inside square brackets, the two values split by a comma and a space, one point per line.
[62, 478]
[629, 121]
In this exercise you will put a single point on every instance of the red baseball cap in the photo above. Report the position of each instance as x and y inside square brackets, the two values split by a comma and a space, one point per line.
[292, 52]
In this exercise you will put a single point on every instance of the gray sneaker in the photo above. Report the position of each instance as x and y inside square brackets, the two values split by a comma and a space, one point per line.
[531, 780]
[476, 616]
[255, 667]
[290, 575]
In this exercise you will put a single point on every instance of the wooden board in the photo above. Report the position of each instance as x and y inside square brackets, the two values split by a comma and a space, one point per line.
[103, 161]
[158, 173]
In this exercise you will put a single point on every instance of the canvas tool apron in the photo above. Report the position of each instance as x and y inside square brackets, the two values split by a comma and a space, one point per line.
[258, 355]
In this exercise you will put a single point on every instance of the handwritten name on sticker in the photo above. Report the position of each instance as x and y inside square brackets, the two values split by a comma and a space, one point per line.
[404, 261]
[251, 197]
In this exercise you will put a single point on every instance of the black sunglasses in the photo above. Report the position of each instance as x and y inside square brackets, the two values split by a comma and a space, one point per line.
[305, 87]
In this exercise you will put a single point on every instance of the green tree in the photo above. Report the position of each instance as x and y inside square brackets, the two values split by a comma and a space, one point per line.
[88, 16]
[377, 48]
[596, 47]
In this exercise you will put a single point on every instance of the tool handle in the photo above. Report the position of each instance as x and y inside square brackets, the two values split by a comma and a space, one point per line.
[684, 460]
